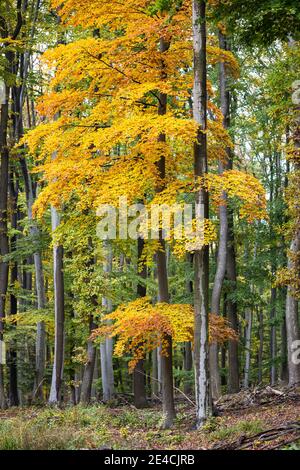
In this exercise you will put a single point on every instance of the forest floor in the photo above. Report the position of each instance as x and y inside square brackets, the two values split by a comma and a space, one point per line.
[258, 420]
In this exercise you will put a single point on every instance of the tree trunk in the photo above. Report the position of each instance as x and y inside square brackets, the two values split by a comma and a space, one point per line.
[188, 355]
[284, 373]
[38, 264]
[57, 372]
[106, 348]
[139, 385]
[233, 350]
[39, 284]
[166, 360]
[223, 231]
[154, 375]
[188, 366]
[201, 257]
[291, 315]
[4, 249]
[233, 359]
[273, 345]
[78, 381]
[261, 344]
[139, 388]
[292, 307]
[13, 370]
[162, 275]
[86, 387]
[248, 318]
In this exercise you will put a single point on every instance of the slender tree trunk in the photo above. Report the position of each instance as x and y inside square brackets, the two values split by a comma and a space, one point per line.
[39, 284]
[248, 318]
[233, 351]
[86, 387]
[284, 373]
[139, 387]
[78, 381]
[4, 249]
[188, 367]
[231, 270]
[88, 374]
[291, 315]
[72, 368]
[13, 370]
[223, 231]
[201, 257]
[292, 305]
[261, 344]
[162, 275]
[188, 356]
[106, 348]
[106, 352]
[273, 296]
[154, 383]
[18, 92]
[57, 372]
[139, 383]
[94, 393]
[273, 343]
[166, 360]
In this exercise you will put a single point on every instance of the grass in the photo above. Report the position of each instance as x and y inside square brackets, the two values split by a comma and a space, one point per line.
[53, 430]
[73, 428]
[246, 428]
[99, 426]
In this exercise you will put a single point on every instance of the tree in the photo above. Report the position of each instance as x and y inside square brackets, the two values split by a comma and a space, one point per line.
[140, 327]
[261, 22]
[292, 311]
[139, 389]
[201, 256]
[10, 31]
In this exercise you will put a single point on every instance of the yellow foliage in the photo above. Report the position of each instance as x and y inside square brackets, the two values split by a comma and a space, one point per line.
[104, 95]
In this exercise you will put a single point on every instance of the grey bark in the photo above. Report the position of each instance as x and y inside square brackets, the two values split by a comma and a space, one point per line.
[4, 248]
[88, 374]
[57, 372]
[39, 284]
[291, 315]
[248, 318]
[261, 344]
[162, 275]
[284, 374]
[201, 257]
[139, 382]
[188, 355]
[12, 356]
[223, 231]
[273, 342]
[292, 307]
[188, 366]
[154, 375]
[106, 348]
[19, 96]
[11, 31]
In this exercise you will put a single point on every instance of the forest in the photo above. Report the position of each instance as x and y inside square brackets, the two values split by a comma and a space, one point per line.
[149, 224]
